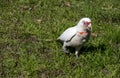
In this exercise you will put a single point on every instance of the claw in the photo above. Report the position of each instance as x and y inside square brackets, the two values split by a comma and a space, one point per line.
[66, 51]
[65, 48]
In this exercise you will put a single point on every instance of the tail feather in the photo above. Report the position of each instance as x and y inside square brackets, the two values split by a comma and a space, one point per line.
[58, 40]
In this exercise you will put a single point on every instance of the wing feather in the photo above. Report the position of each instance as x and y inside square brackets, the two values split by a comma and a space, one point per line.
[68, 34]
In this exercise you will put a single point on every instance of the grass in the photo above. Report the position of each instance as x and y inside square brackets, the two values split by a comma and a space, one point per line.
[28, 33]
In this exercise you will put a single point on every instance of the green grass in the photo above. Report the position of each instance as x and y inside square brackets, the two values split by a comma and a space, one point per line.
[28, 33]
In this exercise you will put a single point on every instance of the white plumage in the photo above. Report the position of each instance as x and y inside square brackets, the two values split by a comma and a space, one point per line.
[76, 36]
[67, 34]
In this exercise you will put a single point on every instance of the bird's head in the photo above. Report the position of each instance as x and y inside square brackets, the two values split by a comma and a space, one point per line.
[85, 23]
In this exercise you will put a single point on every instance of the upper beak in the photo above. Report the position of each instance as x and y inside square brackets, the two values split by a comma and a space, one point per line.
[87, 23]
[89, 27]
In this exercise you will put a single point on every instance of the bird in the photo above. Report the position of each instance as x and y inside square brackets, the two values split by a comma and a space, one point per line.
[76, 36]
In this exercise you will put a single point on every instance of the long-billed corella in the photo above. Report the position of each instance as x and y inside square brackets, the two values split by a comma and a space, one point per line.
[76, 36]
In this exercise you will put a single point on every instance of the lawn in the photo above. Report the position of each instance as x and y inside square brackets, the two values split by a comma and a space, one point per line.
[28, 33]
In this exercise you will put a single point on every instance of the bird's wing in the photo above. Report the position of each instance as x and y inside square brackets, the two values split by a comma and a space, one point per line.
[68, 34]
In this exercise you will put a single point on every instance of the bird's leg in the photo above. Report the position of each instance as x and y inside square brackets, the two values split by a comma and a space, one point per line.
[77, 52]
[65, 48]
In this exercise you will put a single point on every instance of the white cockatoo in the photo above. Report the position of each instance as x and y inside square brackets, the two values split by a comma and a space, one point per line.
[76, 36]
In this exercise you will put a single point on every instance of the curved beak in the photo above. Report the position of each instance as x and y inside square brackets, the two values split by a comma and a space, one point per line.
[87, 23]
[89, 27]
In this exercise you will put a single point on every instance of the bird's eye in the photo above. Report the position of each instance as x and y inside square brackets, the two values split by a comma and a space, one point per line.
[84, 23]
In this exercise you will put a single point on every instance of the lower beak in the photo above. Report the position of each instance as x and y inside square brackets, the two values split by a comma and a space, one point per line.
[89, 28]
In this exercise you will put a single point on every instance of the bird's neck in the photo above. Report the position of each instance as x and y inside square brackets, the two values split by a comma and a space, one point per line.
[81, 28]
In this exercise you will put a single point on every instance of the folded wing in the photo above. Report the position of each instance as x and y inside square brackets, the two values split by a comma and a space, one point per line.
[68, 34]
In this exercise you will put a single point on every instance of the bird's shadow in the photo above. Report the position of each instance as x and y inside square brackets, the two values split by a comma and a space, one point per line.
[90, 48]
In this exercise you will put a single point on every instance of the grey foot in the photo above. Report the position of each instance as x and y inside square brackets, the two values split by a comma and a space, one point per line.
[76, 56]
[66, 51]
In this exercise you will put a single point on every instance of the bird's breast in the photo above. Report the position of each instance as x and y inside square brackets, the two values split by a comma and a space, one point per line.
[79, 39]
